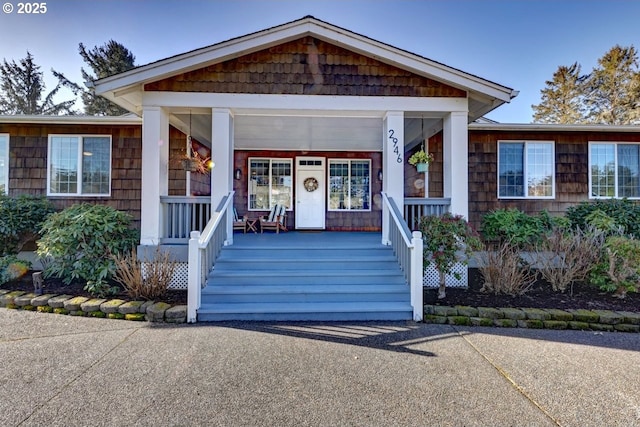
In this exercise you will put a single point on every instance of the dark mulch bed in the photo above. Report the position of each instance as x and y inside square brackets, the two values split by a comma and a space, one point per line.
[539, 296]
[56, 286]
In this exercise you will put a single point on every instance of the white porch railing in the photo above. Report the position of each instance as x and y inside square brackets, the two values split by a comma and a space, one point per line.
[203, 249]
[417, 207]
[407, 247]
[182, 215]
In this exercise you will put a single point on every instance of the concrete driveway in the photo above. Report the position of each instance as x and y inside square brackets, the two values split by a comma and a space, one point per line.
[66, 371]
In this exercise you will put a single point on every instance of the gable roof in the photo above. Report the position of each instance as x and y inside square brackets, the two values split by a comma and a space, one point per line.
[125, 89]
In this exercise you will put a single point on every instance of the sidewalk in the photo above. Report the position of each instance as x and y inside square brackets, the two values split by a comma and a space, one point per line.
[66, 371]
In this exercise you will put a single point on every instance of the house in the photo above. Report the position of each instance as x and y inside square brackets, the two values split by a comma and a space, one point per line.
[316, 118]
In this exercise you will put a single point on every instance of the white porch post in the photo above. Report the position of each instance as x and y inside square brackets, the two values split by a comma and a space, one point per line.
[155, 173]
[222, 156]
[456, 162]
[392, 165]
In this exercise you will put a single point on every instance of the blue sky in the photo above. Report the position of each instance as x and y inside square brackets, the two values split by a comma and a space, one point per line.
[517, 43]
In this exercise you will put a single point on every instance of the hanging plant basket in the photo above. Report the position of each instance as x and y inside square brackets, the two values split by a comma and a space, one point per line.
[421, 159]
[422, 167]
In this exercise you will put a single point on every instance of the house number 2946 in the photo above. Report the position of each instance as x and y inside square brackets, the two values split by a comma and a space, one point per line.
[396, 149]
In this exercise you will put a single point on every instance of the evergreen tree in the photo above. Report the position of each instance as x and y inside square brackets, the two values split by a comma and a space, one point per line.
[104, 61]
[612, 93]
[22, 87]
[562, 99]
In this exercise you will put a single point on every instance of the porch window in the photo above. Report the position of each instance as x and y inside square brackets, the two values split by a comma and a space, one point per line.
[4, 163]
[526, 169]
[349, 185]
[79, 165]
[614, 170]
[270, 183]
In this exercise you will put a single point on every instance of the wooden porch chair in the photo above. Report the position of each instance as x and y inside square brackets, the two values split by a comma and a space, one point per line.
[239, 223]
[276, 220]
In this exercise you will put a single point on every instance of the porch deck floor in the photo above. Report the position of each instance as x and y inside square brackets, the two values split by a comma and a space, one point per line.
[302, 239]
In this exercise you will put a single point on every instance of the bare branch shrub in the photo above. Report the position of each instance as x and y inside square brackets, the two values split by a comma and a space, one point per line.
[565, 257]
[504, 271]
[150, 282]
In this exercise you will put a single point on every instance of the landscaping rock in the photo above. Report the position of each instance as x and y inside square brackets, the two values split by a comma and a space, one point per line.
[44, 309]
[555, 324]
[432, 318]
[135, 316]
[8, 299]
[24, 300]
[459, 320]
[42, 300]
[560, 314]
[145, 305]
[536, 314]
[601, 327]
[155, 312]
[490, 313]
[176, 314]
[630, 317]
[584, 316]
[624, 327]
[464, 310]
[73, 304]
[513, 313]
[505, 323]
[111, 306]
[481, 321]
[92, 305]
[443, 310]
[4, 291]
[58, 302]
[609, 317]
[578, 326]
[531, 323]
[130, 307]
[116, 316]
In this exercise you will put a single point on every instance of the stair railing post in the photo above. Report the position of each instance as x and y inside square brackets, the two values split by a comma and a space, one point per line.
[195, 276]
[417, 273]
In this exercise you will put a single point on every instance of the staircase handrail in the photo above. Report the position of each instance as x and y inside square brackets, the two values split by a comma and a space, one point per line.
[203, 249]
[408, 251]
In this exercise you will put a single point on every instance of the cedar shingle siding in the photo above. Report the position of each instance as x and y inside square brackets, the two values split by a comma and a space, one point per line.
[307, 66]
[571, 175]
[28, 164]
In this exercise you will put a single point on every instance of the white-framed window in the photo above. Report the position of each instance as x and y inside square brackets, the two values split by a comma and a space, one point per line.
[4, 163]
[79, 165]
[526, 169]
[614, 170]
[349, 185]
[270, 183]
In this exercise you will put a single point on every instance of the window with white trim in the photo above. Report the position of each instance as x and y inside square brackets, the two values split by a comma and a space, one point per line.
[614, 170]
[526, 169]
[349, 185]
[79, 165]
[270, 183]
[4, 163]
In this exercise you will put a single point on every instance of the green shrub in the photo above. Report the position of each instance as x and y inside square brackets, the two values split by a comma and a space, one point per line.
[516, 227]
[619, 272]
[12, 268]
[607, 215]
[20, 219]
[448, 239]
[80, 243]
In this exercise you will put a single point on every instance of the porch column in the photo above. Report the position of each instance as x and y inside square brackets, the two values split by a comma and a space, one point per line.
[222, 156]
[155, 173]
[392, 165]
[456, 162]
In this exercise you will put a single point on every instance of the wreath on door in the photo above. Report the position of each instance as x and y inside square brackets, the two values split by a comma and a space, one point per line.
[310, 184]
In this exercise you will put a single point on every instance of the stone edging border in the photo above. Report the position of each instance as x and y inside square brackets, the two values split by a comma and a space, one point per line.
[534, 318]
[94, 307]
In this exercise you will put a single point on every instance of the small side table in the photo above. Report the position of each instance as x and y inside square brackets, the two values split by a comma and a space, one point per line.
[252, 225]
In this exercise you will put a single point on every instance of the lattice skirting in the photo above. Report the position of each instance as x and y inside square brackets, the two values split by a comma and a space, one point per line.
[180, 276]
[430, 279]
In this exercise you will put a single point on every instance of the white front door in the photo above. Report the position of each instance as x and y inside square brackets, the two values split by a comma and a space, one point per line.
[310, 192]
